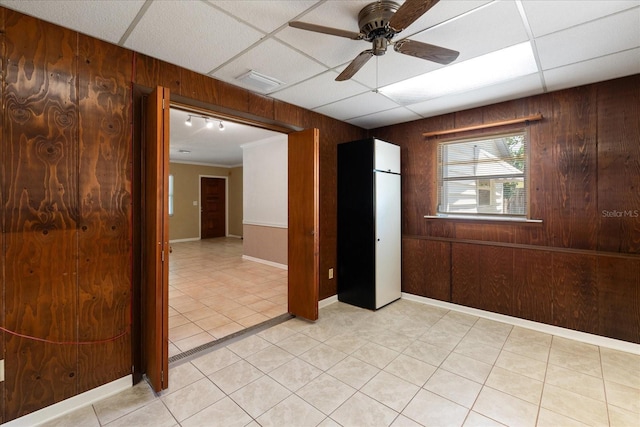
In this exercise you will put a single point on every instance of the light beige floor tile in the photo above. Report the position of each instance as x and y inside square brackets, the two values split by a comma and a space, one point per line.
[184, 331]
[621, 418]
[462, 318]
[576, 347]
[623, 396]
[402, 421]
[409, 369]
[515, 384]
[453, 387]
[192, 399]
[429, 409]
[522, 365]
[530, 349]
[390, 390]
[249, 345]
[576, 382]
[494, 327]
[194, 341]
[323, 357]
[475, 419]
[199, 314]
[441, 338]
[269, 359]
[393, 340]
[346, 343]
[225, 412]
[504, 408]
[620, 367]
[295, 374]
[326, 393]
[124, 402]
[226, 330]
[473, 348]
[292, 411]
[259, 396]
[428, 353]
[547, 418]
[361, 410]
[529, 335]
[450, 327]
[277, 333]
[213, 321]
[467, 367]
[573, 405]
[182, 375]
[178, 320]
[375, 354]
[154, 414]
[485, 337]
[213, 361]
[83, 417]
[298, 344]
[353, 372]
[235, 376]
[576, 362]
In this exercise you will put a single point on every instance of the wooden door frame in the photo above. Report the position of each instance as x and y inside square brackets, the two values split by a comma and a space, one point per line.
[226, 203]
[138, 94]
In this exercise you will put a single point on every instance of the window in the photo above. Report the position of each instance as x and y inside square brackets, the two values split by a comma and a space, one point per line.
[483, 176]
[170, 195]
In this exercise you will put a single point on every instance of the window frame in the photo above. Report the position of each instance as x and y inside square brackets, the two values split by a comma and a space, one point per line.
[441, 198]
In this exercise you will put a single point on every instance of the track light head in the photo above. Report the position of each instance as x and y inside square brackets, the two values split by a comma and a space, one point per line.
[221, 126]
[188, 121]
[208, 123]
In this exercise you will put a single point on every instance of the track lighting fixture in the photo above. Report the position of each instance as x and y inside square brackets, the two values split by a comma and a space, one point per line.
[221, 126]
[208, 123]
[188, 121]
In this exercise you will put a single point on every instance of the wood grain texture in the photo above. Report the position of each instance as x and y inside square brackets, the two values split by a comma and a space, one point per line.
[575, 292]
[414, 274]
[466, 275]
[40, 204]
[437, 262]
[532, 285]
[619, 298]
[574, 205]
[2, 211]
[104, 241]
[618, 166]
[496, 279]
[150, 72]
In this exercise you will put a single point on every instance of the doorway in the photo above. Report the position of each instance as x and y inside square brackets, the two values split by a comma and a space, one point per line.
[213, 208]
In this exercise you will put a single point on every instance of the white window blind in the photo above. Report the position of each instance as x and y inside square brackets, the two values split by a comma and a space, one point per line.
[484, 176]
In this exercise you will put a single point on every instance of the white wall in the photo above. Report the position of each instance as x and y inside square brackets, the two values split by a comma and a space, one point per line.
[265, 198]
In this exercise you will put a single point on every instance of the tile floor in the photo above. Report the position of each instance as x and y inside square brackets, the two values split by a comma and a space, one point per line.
[407, 364]
[213, 292]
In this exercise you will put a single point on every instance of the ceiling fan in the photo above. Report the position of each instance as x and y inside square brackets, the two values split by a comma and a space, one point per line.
[379, 23]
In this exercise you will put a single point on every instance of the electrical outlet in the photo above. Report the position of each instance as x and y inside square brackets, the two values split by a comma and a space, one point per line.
[331, 273]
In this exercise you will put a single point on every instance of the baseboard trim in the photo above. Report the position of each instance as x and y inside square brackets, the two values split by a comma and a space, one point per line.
[71, 404]
[264, 261]
[327, 301]
[234, 236]
[190, 239]
[585, 337]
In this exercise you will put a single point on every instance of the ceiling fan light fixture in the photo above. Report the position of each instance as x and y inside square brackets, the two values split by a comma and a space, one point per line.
[259, 81]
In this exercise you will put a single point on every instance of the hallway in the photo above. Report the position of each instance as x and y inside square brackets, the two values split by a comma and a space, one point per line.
[213, 292]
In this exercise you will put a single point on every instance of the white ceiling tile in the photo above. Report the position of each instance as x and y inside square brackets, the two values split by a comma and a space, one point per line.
[518, 88]
[546, 16]
[442, 11]
[191, 34]
[392, 67]
[359, 105]
[266, 15]
[603, 68]
[320, 90]
[490, 28]
[105, 20]
[273, 59]
[385, 118]
[612, 34]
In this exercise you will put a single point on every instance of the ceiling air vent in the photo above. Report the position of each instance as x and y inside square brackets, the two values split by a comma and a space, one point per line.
[259, 81]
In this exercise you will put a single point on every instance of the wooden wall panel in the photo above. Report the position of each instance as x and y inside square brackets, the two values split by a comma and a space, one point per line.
[574, 216]
[104, 240]
[150, 72]
[466, 275]
[437, 264]
[618, 166]
[532, 287]
[575, 291]
[2, 211]
[414, 275]
[496, 278]
[41, 292]
[619, 298]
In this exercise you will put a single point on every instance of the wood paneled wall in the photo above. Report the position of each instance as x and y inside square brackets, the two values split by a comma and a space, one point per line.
[68, 201]
[580, 268]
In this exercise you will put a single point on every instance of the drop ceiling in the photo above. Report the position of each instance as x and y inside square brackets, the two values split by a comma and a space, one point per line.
[572, 42]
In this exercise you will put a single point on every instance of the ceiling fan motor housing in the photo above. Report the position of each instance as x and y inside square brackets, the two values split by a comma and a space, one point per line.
[374, 18]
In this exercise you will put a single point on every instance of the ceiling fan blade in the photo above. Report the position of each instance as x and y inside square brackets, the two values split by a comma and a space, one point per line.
[326, 30]
[409, 12]
[355, 65]
[426, 51]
